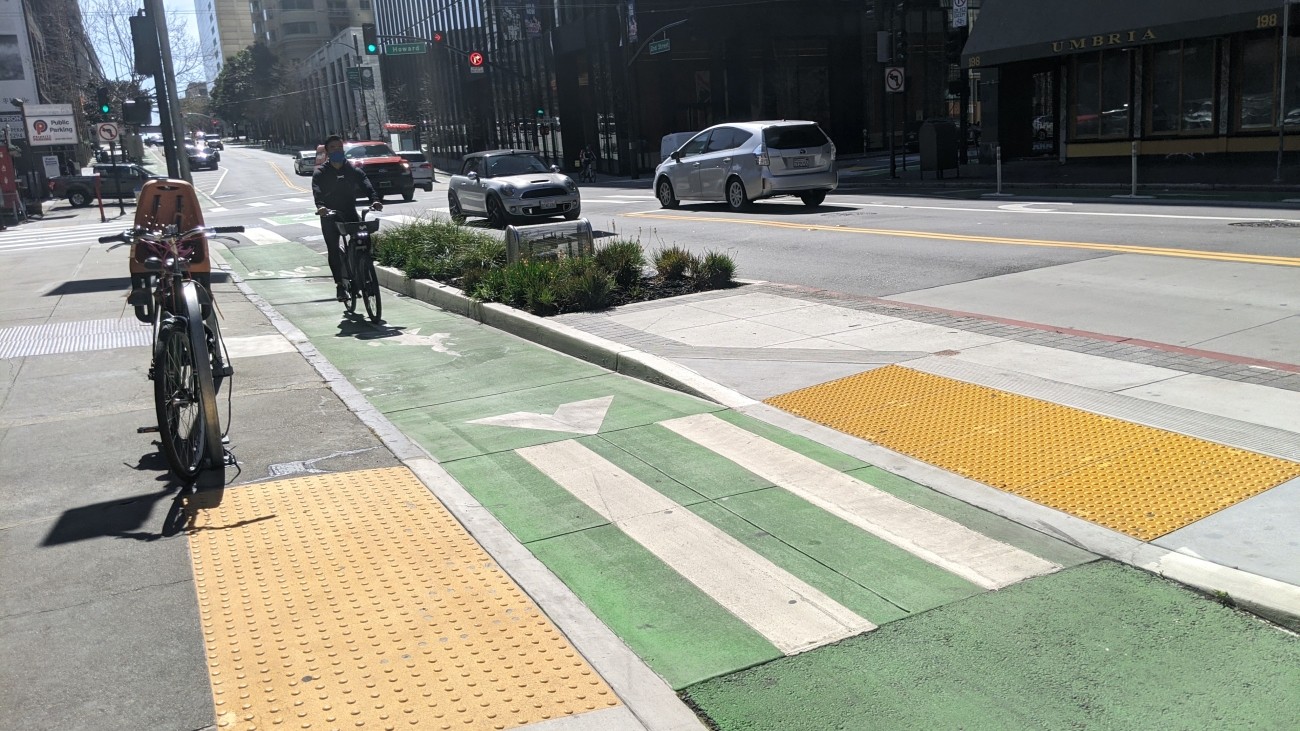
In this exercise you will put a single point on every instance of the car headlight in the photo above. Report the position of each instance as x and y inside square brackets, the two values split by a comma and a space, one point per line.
[509, 191]
[572, 186]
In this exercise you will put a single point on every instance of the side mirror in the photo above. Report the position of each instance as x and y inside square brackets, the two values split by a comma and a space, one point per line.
[677, 155]
[555, 168]
[473, 176]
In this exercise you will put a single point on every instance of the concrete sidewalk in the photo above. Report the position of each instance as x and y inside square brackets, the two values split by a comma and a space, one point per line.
[752, 344]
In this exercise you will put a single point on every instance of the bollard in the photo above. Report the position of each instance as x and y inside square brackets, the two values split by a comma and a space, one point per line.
[558, 240]
[1133, 182]
[997, 161]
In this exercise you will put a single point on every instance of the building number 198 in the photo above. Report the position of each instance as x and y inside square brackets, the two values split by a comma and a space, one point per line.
[1266, 21]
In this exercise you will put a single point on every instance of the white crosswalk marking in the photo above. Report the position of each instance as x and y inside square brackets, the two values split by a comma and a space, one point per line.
[26, 238]
[945, 543]
[263, 236]
[792, 615]
[258, 204]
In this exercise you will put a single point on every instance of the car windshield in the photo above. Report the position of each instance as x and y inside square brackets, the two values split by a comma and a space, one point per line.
[787, 138]
[378, 149]
[502, 165]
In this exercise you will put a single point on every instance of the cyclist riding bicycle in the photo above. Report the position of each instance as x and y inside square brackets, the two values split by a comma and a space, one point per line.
[334, 187]
[588, 160]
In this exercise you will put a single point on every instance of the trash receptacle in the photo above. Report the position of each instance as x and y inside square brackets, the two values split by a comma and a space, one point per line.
[938, 146]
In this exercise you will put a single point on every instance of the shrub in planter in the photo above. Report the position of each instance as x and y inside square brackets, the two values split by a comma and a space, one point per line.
[623, 260]
[712, 271]
[673, 262]
[584, 285]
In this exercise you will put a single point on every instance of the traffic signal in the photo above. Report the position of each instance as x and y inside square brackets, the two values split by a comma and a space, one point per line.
[952, 46]
[900, 48]
[541, 112]
[438, 36]
[101, 97]
[370, 39]
[138, 110]
[144, 40]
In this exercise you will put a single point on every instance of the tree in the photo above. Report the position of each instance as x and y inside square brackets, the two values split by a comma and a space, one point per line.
[250, 88]
[109, 25]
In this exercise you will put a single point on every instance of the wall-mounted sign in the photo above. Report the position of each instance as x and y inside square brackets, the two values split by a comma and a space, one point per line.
[50, 124]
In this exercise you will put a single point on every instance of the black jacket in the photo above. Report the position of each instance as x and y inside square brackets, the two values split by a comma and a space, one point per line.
[337, 188]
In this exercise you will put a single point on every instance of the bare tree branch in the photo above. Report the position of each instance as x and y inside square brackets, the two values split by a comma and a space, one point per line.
[108, 23]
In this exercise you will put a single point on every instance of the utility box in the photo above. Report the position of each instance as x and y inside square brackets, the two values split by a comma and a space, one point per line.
[939, 147]
[560, 240]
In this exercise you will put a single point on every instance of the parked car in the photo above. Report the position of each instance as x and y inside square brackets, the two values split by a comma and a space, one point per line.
[304, 162]
[740, 162]
[202, 157]
[389, 173]
[511, 185]
[421, 168]
[115, 181]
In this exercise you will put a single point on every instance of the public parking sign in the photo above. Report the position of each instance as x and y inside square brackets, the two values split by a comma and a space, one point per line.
[894, 79]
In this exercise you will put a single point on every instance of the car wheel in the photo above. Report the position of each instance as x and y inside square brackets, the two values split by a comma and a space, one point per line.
[408, 195]
[453, 207]
[428, 188]
[813, 198]
[573, 213]
[736, 199]
[497, 213]
[664, 192]
[79, 198]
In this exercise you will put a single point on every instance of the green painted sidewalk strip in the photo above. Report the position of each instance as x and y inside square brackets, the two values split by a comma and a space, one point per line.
[1098, 646]
[681, 633]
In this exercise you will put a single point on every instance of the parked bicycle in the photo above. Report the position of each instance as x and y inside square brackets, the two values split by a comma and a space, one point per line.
[359, 278]
[190, 361]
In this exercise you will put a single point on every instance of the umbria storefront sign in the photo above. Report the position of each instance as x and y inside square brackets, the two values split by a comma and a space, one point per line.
[1102, 41]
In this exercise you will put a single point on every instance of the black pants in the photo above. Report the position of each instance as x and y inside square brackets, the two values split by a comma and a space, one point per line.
[334, 240]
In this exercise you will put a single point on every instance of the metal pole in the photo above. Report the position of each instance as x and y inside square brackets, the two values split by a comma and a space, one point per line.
[1281, 104]
[1133, 189]
[121, 209]
[999, 157]
[165, 86]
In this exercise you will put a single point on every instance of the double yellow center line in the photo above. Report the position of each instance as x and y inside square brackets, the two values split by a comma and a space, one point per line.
[1118, 248]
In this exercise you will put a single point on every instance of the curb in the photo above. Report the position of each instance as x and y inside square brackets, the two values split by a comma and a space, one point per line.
[1273, 600]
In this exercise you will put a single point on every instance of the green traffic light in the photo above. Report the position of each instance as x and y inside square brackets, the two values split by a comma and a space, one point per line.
[105, 109]
[372, 48]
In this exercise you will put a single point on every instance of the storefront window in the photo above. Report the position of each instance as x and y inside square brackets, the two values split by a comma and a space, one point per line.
[1182, 87]
[1101, 96]
[1257, 82]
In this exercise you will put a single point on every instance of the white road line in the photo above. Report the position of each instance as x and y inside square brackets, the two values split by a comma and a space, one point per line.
[217, 209]
[222, 179]
[1022, 211]
[262, 236]
[34, 247]
[258, 204]
[778, 605]
[297, 200]
[931, 537]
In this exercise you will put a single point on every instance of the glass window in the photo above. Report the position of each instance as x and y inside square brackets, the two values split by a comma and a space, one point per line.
[1087, 92]
[1198, 86]
[724, 138]
[696, 144]
[1114, 94]
[1182, 87]
[1101, 95]
[1256, 83]
[790, 137]
[1166, 73]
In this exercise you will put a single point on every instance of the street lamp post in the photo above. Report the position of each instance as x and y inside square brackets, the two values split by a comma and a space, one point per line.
[1281, 96]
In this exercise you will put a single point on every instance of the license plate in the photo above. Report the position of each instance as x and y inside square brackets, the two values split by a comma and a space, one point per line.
[548, 204]
[385, 184]
[800, 162]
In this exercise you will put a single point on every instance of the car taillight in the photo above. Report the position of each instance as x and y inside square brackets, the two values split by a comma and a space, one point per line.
[832, 152]
[406, 166]
[425, 166]
[760, 156]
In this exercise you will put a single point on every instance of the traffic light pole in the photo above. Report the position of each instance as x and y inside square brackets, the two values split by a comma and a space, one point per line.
[178, 166]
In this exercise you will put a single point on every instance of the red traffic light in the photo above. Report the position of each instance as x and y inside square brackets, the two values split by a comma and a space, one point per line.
[437, 36]
[475, 59]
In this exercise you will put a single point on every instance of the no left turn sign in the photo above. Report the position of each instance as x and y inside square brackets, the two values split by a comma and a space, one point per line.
[894, 79]
[107, 131]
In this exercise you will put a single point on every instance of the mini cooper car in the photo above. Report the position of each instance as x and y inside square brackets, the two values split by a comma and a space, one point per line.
[508, 186]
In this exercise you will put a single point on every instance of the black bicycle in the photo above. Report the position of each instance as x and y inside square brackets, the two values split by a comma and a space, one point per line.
[359, 278]
[190, 361]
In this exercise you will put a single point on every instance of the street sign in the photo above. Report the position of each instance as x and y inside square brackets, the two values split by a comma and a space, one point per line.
[959, 14]
[894, 79]
[367, 77]
[354, 76]
[475, 62]
[399, 49]
[662, 46]
[107, 131]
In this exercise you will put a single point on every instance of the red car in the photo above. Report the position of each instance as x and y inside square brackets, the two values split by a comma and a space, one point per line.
[388, 172]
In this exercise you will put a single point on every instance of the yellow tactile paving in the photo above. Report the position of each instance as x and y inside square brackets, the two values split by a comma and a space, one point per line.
[356, 601]
[1135, 479]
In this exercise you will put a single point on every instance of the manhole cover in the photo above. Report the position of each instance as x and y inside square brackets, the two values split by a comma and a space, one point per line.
[1267, 224]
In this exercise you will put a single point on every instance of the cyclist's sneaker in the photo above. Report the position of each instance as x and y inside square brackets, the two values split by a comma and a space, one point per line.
[340, 293]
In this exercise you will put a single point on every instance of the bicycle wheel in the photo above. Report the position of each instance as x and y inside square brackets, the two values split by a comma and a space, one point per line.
[350, 267]
[203, 390]
[184, 398]
[370, 288]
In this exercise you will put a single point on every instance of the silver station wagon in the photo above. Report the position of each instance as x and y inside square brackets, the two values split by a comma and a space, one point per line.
[509, 186]
[740, 162]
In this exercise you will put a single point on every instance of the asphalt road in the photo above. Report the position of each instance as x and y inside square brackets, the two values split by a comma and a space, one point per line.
[1198, 275]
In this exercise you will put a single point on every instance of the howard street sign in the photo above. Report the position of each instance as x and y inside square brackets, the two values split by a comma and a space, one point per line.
[398, 49]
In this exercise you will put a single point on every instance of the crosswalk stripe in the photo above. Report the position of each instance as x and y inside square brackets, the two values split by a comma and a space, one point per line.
[263, 236]
[792, 615]
[945, 543]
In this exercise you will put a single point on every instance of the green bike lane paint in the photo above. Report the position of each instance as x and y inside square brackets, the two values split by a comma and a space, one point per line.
[708, 541]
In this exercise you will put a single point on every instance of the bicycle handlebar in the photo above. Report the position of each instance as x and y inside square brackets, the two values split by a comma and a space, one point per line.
[130, 234]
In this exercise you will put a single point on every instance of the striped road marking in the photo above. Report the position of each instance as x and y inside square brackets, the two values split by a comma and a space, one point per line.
[792, 615]
[945, 543]
[263, 236]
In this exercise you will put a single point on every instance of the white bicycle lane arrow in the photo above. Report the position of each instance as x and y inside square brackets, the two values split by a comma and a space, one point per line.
[576, 417]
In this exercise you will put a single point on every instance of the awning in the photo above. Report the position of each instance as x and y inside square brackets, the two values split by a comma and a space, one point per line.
[398, 127]
[1020, 30]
